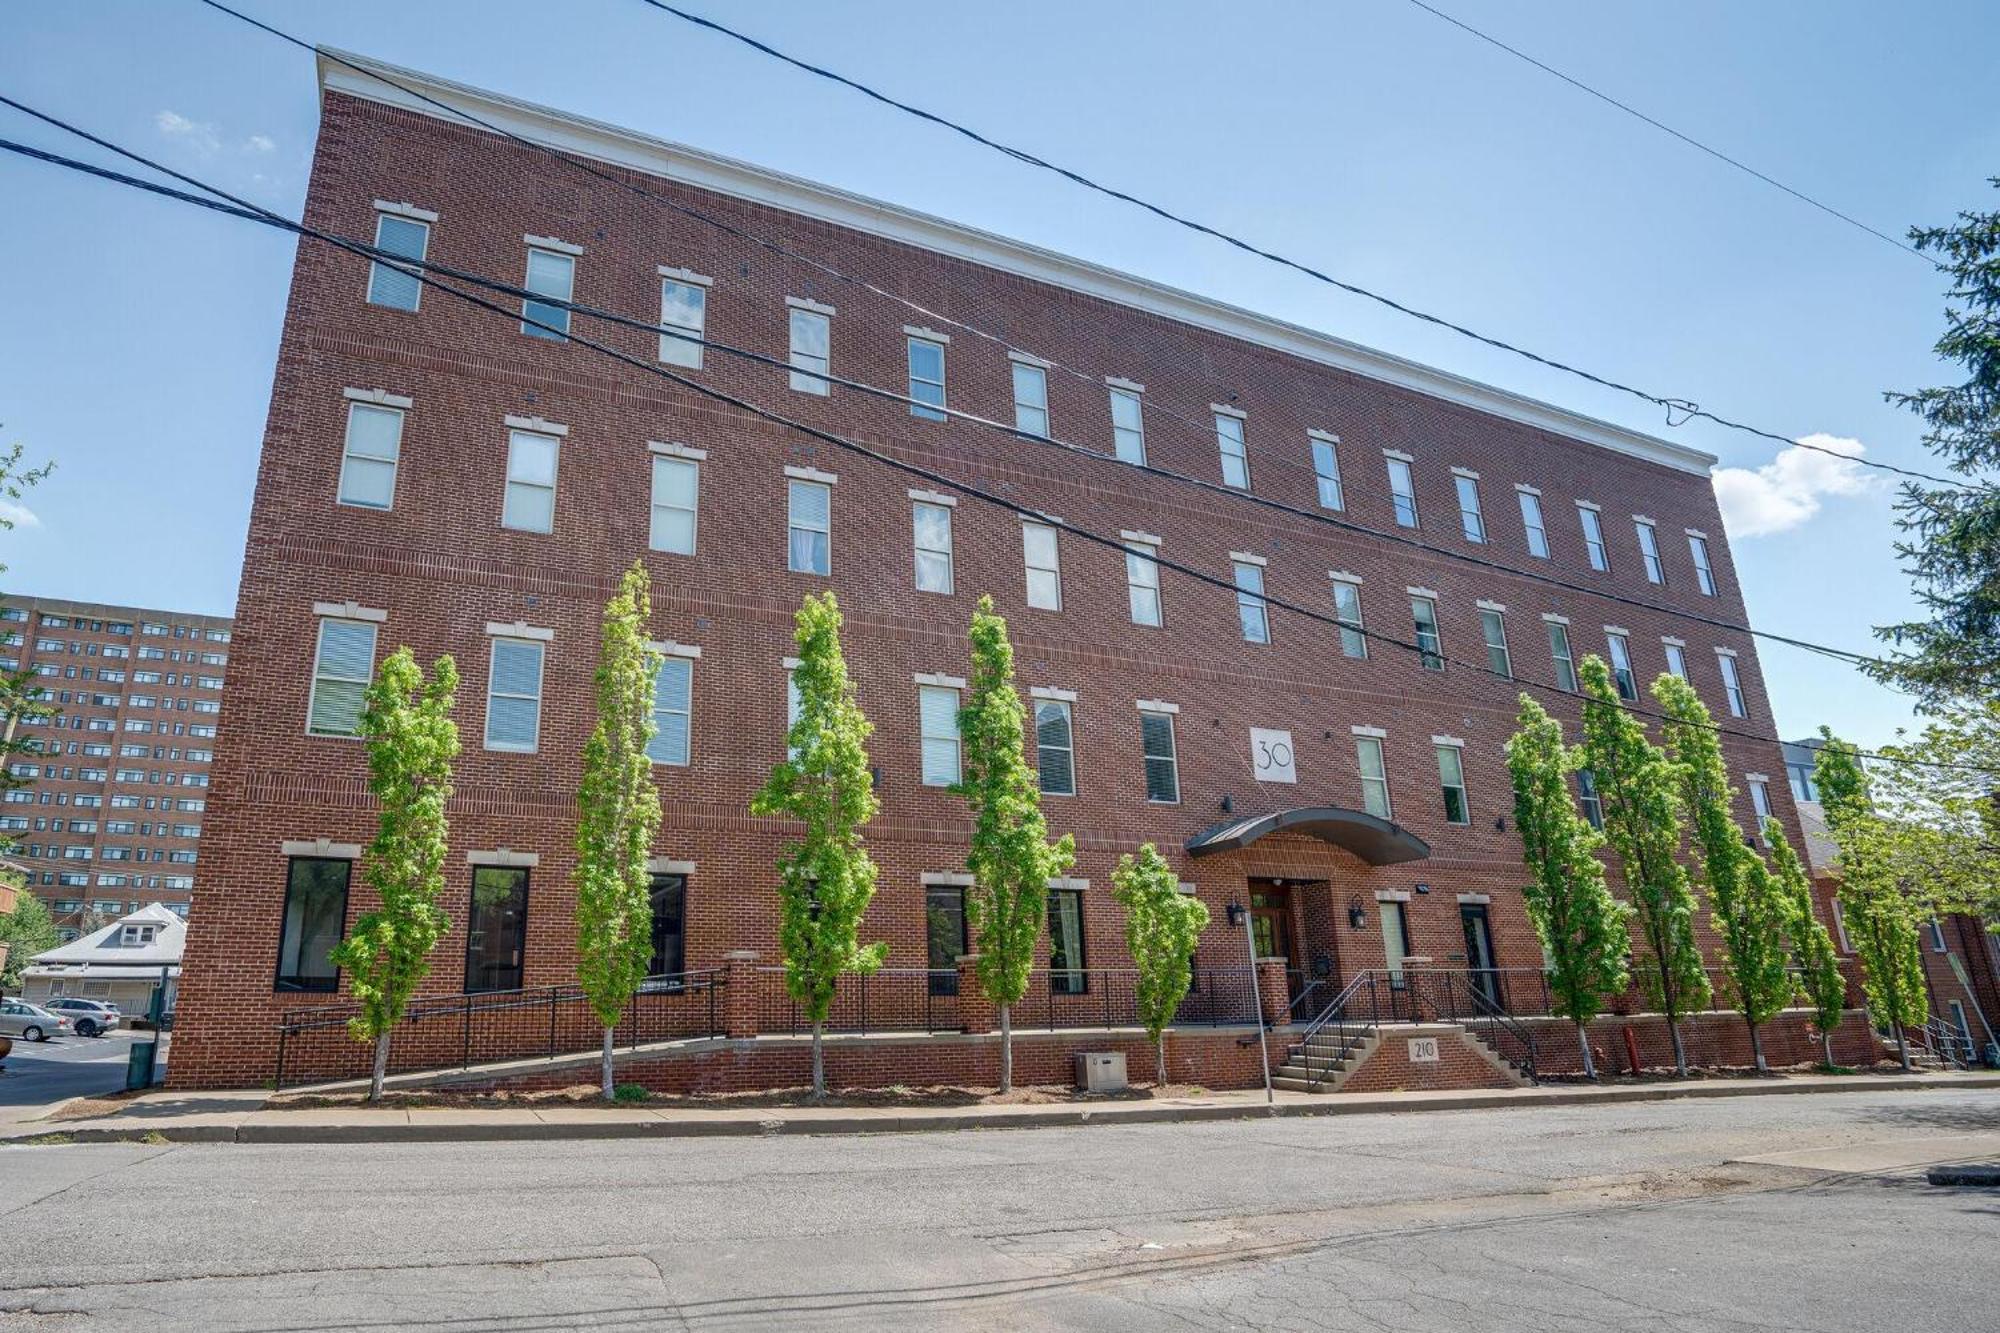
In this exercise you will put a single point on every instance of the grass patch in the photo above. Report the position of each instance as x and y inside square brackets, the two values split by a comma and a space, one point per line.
[630, 1092]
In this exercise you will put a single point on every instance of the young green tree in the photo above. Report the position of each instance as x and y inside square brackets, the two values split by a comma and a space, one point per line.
[1747, 906]
[1934, 811]
[29, 931]
[618, 814]
[23, 702]
[1162, 927]
[406, 722]
[1638, 787]
[1812, 946]
[1953, 551]
[1583, 928]
[826, 878]
[1012, 860]
[1880, 923]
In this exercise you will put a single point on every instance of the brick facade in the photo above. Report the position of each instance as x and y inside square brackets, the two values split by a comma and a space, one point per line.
[441, 569]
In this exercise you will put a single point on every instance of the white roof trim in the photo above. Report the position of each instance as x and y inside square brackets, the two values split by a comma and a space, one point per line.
[520, 629]
[1323, 436]
[536, 424]
[950, 878]
[1135, 535]
[551, 243]
[1376, 732]
[669, 648]
[1342, 576]
[934, 498]
[350, 611]
[662, 865]
[942, 682]
[1156, 706]
[812, 474]
[817, 307]
[928, 335]
[1248, 558]
[379, 396]
[676, 451]
[1129, 386]
[685, 275]
[1225, 410]
[605, 143]
[410, 211]
[1051, 692]
[504, 856]
[335, 851]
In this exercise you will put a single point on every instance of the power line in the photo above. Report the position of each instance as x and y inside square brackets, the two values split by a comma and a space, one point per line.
[1687, 139]
[233, 205]
[1686, 408]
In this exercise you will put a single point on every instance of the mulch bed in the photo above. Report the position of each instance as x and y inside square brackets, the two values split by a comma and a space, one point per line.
[588, 1094]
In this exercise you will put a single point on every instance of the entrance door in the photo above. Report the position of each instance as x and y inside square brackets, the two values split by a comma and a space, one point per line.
[944, 928]
[1479, 951]
[1271, 922]
[1395, 938]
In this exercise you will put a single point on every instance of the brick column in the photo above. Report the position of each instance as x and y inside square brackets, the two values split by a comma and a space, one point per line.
[1272, 991]
[976, 1013]
[739, 994]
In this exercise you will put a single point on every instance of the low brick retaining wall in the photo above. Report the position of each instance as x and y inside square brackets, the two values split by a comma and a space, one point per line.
[1712, 1041]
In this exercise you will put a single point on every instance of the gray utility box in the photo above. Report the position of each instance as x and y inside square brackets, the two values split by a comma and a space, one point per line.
[1100, 1071]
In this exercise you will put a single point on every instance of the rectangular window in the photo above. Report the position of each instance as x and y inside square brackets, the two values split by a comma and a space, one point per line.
[1430, 644]
[808, 536]
[927, 379]
[668, 900]
[932, 523]
[1347, 610]
[343, 664]
[1251, 611]
[1936, 929]
[1163, 777]
[1531, 523]
[1801, 776]
[514, 696]
[1031, 399]
[1760, 801]
[1374, 776]
[683, 306]
[1142, 582]
[1042, 555]
[1560, 655]
[1649, 552]
[1055, 747]
[391, 284]
[1676, 658]
[553, 277]
[1451, 777]
[496, 928]
[315, 919]
[673, 704]
[1229, 443]
[812, 334]
[1621, 667]
[1128, 427]
[1493, 626]
[676, 492]
[1470, 517]
[1403, 491]
[1732, 685]
[1704, 574]
[1395, 938]
[1066, 965]
[531, 482]
[1586, 793]
[1840, 928]
[1326, 472]
[1593, 538]
[937, 716]
[944, 932]
[368, 459]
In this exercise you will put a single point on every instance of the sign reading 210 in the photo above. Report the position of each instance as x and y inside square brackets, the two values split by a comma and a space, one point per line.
[1271, 755]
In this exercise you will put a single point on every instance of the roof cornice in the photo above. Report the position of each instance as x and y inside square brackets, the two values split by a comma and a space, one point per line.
[709, 171]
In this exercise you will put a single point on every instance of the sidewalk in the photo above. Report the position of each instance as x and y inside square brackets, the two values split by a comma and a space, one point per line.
[241, 1117]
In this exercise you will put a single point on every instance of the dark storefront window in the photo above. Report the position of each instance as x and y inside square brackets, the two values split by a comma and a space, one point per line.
[499, 923]
[1066, 966]
[315, 917]
[944, 924]
[669, 895]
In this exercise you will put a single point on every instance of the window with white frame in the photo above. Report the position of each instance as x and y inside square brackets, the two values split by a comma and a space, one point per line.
[676, 493]
[551, 276]
[1229, 444]
[407, 236]
[1031, 398]
[1128, 426]
[1840, 927]
[1402, 489]
[937, 713]
[1163, 777]
[683, 310]
[1347, 610]
[1470, 517]
[1251, 612]
[1760, 800]
[343, 664]
[1531, 522]
[812, 335]
[530, 504]
[673, 707]
[1649, 551]
[1055, 747]
[1326, 471]
[1587, 797]
[1593, 537]
[514, 695]
[1732, 684]
[1704, 573]
[1493, 628]
[1374, 776]
[808, 531]
[926, 357]
[1676, 657]
[1430, 643]
[368, 459]
[1621, 665]
[1451, 777]
[932, 524]
[1936, 929]
[1042, 555]
[1142, 581]
[1560, 655]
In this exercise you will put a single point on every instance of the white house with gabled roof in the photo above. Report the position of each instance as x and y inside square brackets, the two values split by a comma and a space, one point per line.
[120, 963]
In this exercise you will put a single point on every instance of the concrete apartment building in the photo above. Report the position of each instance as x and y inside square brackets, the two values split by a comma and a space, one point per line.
[439, 477]
[113, 821]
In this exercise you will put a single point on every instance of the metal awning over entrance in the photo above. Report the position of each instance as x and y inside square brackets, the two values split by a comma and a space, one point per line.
[1376, 841]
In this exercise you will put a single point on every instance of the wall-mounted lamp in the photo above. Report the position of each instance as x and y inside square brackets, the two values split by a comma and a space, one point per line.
[1423, 888]
[1235, 913]
[1227, 804]
[1500, 824]
[1357, 915]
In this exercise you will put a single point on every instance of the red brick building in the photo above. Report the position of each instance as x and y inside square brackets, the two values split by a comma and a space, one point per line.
[439, 477]
[120, 791]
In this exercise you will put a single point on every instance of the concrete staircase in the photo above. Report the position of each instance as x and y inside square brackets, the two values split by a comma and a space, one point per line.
[1327, 1058]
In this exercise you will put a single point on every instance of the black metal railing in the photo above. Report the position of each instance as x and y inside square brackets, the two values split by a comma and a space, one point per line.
[1347, 1021]
[459, 1031]
[1469, 1001]
[890, 999]
[1945, 1041]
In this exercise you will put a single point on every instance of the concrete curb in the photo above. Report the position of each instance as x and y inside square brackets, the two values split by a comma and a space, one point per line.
[478, 1126]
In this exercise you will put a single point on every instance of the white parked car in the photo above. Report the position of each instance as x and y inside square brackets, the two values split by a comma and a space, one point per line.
[91, 1017]
[30, 1022]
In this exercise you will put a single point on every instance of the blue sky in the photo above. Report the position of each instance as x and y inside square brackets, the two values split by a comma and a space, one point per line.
[1367, 136]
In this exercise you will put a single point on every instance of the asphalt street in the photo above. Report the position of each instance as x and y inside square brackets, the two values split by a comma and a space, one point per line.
[37, 1074]
[1643, 1216]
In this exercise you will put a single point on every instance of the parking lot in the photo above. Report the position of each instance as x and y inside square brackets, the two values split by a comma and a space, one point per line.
[36, 1075]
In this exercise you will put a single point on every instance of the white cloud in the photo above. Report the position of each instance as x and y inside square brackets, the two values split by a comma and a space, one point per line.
[260, 143]
[198, 135]
[18, 515]
[1786, 492]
